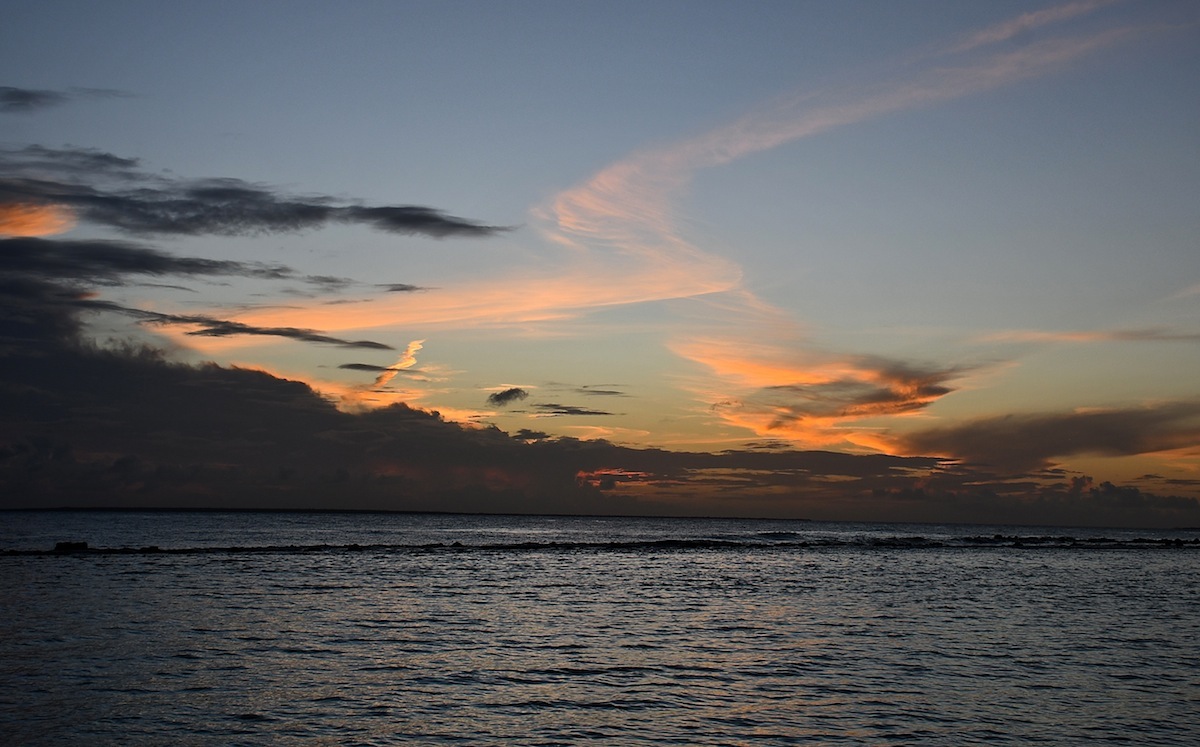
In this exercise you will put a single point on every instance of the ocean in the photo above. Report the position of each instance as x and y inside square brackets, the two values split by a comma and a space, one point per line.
[256, 628]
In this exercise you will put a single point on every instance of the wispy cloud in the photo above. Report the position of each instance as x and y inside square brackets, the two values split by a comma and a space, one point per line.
[553, 409]
[24, 100]
[207, 326]
[1153, 334]
[1027, 22]
[406, 361]
[112, 191]
[112, 262]
[14, 100]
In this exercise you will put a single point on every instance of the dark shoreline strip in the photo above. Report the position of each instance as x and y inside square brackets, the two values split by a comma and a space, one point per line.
[917, 543]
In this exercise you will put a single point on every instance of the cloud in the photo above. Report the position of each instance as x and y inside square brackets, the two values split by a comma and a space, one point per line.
[34, 220]
[224, 328]
[207, 326]
[112, 191]
[1030, 442]
[413, 220]
[25, 100]
[406, 361]
[507, 397]
[400, 288]
[553, 409]
[876, 387]
[1027, 22]
[811, 398]
[329, 283]
[593, 392]
[47, 167]
[364, 367]
[1153, 334]
[42, 189]
[111, 261]
[55, 273]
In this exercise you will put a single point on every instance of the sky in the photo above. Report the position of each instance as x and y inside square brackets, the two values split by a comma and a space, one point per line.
[923, 261]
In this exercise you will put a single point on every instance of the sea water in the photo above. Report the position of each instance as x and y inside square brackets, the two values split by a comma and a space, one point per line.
[374, 629]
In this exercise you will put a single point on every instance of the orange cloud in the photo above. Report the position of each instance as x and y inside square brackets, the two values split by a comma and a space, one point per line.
[809, 399]
[407, 360]
[23, 219]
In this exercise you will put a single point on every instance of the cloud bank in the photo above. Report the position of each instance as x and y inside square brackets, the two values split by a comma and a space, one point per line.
[147, 432]
[1028, 442]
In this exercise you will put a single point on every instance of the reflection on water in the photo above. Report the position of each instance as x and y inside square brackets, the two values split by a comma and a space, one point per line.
[646, 644]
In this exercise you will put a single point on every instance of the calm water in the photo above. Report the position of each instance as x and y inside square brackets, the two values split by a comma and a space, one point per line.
[255, 628]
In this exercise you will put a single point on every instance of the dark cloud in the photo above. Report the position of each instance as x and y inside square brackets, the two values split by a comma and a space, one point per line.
[599, 392]
[400, 287]
[112, 191]
[329, 283]
[1030, 442]
[555, 409]
[210, 327]
[50, 276]
[24, 100]
[100, 93]
[46, 168]
[525, 434]
[168, 286]
[110, 262]
[414, 220]
[506, 397]
[35, 314]
[372, 368]
[224, 328]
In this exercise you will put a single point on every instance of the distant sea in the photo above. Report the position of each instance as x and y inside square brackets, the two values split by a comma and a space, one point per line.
[218, 628]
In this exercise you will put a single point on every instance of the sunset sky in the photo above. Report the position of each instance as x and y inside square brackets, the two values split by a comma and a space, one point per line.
[898, 260]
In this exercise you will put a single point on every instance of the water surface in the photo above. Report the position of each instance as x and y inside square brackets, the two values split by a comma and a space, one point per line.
[261, 628]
